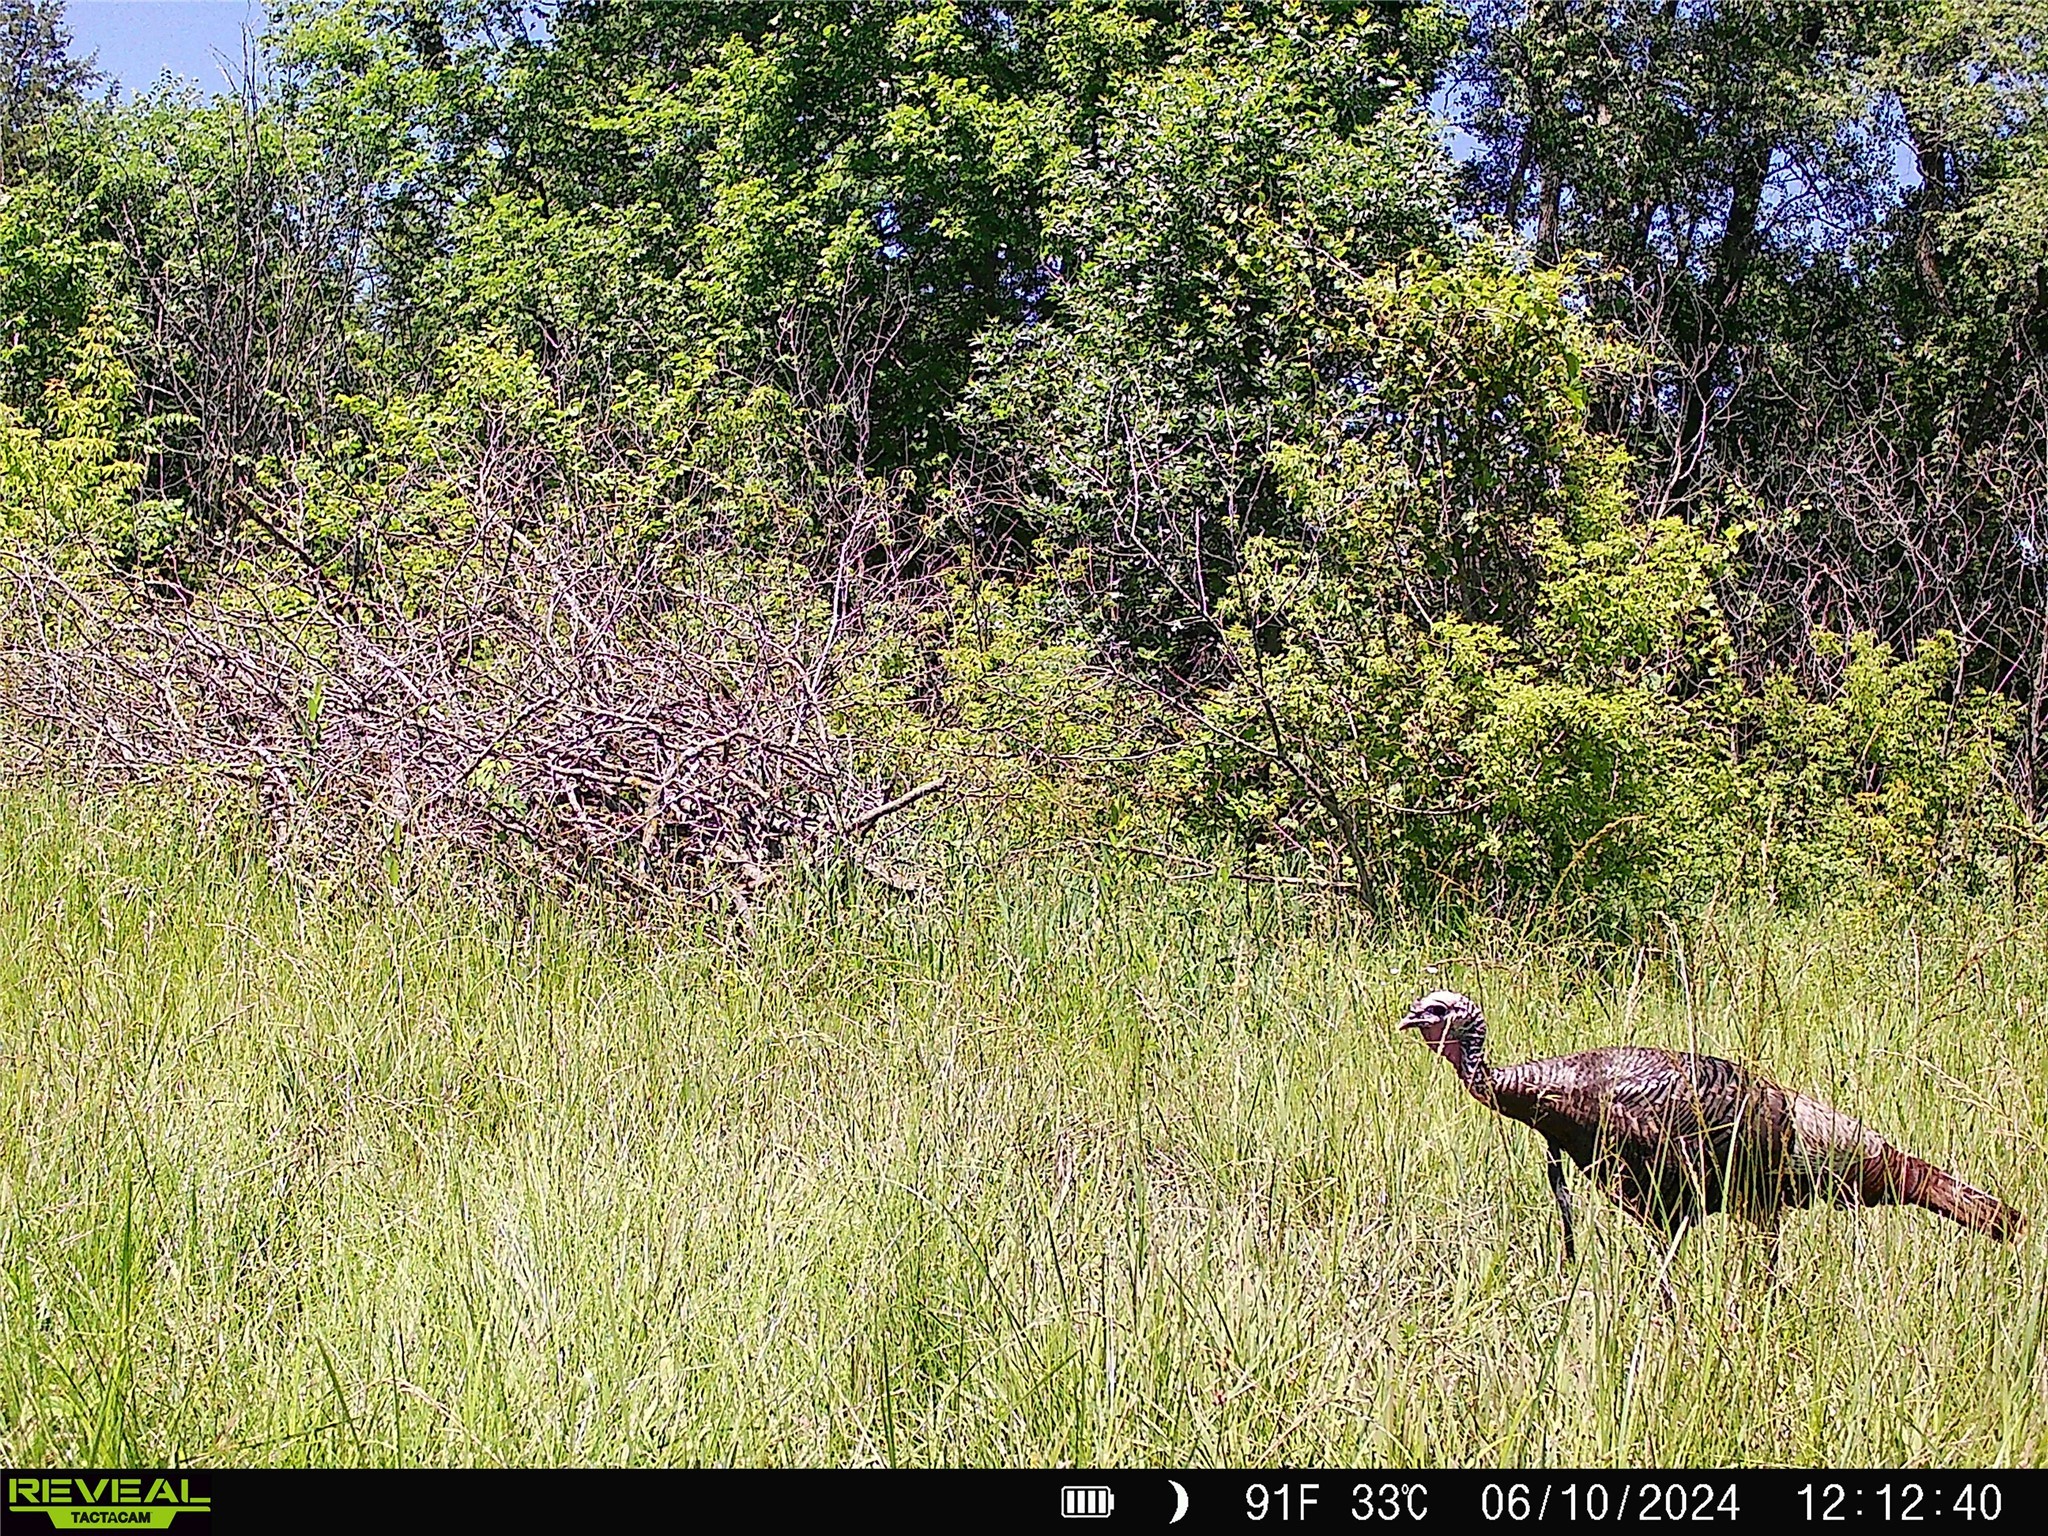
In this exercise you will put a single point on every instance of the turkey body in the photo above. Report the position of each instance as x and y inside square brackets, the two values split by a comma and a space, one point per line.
[1675, 1137]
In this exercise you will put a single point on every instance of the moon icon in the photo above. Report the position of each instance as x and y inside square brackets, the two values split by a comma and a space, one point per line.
[1181, 1508]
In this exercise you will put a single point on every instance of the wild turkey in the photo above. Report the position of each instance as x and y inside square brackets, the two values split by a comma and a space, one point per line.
[1676, 1137]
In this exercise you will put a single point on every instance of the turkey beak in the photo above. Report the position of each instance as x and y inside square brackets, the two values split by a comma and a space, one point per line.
[1412, 1021]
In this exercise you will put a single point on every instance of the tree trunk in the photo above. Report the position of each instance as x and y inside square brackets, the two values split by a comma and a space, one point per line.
[1931, 155]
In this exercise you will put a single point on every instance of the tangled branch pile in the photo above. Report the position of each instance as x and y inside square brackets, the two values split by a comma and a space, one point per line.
[615, 712]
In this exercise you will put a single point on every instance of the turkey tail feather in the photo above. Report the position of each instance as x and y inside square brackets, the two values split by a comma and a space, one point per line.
[1909, 1181]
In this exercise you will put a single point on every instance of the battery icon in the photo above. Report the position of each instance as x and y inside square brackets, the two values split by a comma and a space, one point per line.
[1082, 1502]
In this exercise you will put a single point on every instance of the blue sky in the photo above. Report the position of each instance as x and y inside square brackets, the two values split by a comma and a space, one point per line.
[138, 40]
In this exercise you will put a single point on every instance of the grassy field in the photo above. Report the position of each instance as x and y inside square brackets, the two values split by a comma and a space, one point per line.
[1063, 1166]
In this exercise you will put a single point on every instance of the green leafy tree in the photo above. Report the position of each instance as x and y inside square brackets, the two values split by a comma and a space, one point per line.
[1467, 673]
[69, 481]
[38, 78]
[833, 202]
[1205, 309]
[1824, 223]
[53, 267]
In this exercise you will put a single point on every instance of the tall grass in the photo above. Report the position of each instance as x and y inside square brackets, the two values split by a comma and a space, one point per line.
[1066, 1165]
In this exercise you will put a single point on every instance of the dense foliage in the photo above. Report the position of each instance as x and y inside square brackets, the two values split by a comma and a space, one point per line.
[1132, 415]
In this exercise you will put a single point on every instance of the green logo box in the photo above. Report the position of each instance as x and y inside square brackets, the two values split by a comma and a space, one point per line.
[110, 1501]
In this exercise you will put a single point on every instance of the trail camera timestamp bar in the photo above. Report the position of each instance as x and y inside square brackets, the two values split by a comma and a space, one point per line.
[190, 1502]
[1827, 1501]
[1690, 1500]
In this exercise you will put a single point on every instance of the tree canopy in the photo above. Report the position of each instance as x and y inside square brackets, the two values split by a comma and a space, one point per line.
[1653, 490]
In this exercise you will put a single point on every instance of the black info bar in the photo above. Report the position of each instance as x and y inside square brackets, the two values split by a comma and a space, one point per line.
[190, 1502]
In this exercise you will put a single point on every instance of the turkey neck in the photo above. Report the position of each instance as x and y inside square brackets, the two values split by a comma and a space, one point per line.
[1467, 1056]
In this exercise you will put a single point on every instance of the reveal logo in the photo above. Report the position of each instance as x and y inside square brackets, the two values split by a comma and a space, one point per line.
[112, 1501]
